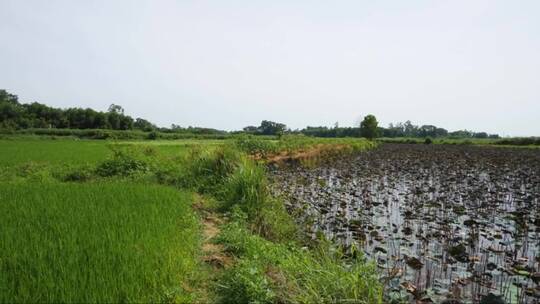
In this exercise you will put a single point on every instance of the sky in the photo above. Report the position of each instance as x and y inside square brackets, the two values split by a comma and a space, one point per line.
[227, 64]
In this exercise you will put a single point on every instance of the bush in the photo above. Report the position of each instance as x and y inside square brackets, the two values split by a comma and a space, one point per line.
[428, 141]
[254, 145]
[122, 164]
[206, 171]
[81, 174]
[153, 135]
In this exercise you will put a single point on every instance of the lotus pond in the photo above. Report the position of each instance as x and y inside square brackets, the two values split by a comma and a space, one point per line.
[445, 224]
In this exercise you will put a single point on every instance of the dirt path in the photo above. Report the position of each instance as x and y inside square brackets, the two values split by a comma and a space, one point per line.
[213, 254]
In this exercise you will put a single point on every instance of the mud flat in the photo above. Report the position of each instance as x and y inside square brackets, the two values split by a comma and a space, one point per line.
[445, 224]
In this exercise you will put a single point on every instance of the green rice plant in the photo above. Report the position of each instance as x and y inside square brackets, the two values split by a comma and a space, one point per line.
[57, 152]
[97, 242]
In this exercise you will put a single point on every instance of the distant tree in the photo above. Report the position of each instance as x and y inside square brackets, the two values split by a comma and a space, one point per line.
[114, 108]
[480, 135]
[126, 122]
[368, 127]
[409, 129]
[8, 98]
[250, 129]
[143, 124]
[461, 134]
[272, 128]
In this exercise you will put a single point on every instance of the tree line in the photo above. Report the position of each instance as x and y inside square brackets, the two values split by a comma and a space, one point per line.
[369, 128]
[16, 115]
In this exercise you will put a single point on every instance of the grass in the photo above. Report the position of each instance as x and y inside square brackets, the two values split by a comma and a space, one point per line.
[270, 272]
[96, 242]
[55, 152]
[72, 152]
[299, 149]
[125, 231]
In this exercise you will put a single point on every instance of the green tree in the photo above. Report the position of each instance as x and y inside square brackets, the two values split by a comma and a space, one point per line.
[114, 108]
[368, 127]
[5, 96]
[272, 128]
[143, 124]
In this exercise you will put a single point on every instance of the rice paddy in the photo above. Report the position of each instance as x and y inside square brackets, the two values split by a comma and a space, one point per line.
[98, 242]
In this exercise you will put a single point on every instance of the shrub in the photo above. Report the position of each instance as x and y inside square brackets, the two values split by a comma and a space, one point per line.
[152, 135]
[428, 141]
[80, 174]
[206, 171]
[122, 164]
[254, 145]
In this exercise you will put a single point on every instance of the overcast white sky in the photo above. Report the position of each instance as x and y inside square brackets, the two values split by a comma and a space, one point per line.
[227, 64]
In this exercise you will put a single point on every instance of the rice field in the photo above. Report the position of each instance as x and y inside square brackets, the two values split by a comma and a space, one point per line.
[96, 242]
[72, 152]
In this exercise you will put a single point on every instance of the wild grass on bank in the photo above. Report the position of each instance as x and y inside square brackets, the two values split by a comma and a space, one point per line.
[300, 149]
[270, 272]
[271, 264]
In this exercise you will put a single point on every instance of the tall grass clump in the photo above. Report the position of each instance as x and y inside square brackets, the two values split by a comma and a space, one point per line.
[124, 162]
[203, 170]
[269, 272]
[247, 189]
[96, 243]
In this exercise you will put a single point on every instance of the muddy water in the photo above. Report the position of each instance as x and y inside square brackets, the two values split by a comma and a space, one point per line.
[443, 223]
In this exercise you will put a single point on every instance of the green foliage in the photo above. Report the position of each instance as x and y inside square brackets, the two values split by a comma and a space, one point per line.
[254, 145]
[106, 242]
[246, 187]
[123, 163]
[144, 125]
[428, 141]
[267, 128]
[153, 135]
[270, 272]
[368, 127]
[36, 115]
[78, 174]
[206, 170]
[109, 134]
